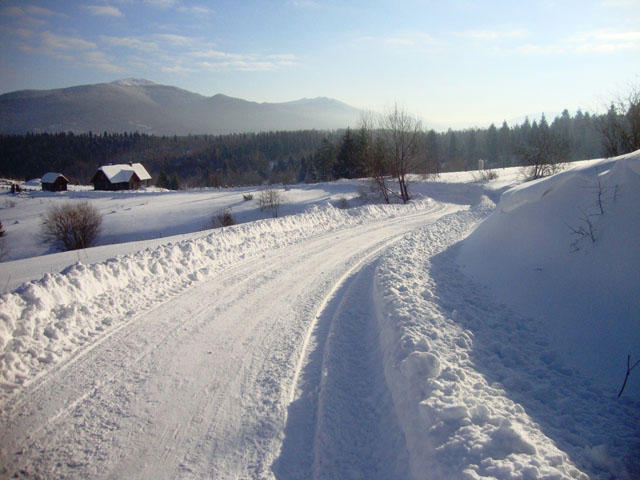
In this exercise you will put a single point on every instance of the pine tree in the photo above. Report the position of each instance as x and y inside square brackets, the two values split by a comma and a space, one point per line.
[163, 180]
[492, 144]
[346, 164]
[175, 183]
[323, 161]
[432, 153]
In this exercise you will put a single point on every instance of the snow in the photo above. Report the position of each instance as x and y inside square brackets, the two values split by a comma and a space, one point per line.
[44, 319]
[122, 172]
[468, 334]
[51, 177]
[585, 293]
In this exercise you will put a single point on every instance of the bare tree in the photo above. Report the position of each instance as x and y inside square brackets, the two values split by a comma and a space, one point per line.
[543, 154]
[401, 132]
[620, 126]
[378, 169]
[271, 199]
[71, 227]
[376, 161]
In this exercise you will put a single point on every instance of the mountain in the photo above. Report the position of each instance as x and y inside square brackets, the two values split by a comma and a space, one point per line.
[147, 107]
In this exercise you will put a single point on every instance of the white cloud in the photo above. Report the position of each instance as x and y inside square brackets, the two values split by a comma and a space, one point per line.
[532, 49]
[129, 42]
[20, 32]
[602, 40]
[218, 61]
[23, 32]
[303, 3]
[400, 41]
[161, 3]
[42, 12]
[12, 11]
[495, 34]
[103, 11]
[175, 40]
[619, 3]
[101, 61]
[177, 69]
[197, 10]
[60, 42]
[214, 54]
[29, 10]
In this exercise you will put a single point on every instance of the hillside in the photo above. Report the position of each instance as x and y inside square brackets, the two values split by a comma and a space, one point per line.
[463, 335]
[141, 105]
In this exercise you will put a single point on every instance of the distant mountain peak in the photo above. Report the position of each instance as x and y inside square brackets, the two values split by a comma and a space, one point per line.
[136, 104]
[131, 82]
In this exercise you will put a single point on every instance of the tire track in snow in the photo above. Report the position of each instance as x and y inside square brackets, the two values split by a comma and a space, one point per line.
[338, 371]
[357, 435]
[196, 387]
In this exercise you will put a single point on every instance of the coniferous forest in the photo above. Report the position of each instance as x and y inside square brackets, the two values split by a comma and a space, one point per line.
[313, 156]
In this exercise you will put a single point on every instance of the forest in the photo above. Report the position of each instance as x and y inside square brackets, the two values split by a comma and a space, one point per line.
[313, 155]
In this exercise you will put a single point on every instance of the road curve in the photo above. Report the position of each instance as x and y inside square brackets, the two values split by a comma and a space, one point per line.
[212, 382]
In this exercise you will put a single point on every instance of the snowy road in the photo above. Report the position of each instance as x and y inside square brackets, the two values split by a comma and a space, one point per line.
[232, 378]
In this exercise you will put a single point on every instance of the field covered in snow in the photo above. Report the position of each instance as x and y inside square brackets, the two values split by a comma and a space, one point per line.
[481, 331]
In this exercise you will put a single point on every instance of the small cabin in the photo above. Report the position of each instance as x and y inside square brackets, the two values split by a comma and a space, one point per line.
[54, 182]
[130, 176]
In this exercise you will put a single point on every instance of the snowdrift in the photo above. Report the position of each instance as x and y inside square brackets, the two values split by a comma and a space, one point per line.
[44, 321]
[497, 373]
[566, 249]
[457, 423]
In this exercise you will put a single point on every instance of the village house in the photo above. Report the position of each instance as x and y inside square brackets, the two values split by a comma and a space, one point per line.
[54, 182]
[130, 176]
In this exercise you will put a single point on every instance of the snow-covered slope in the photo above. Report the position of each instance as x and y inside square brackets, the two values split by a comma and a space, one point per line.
[585, 292]
[505, 352]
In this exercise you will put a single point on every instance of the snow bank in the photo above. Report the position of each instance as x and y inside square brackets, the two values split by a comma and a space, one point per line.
[457, 422]
[43, 321]
[536, 254]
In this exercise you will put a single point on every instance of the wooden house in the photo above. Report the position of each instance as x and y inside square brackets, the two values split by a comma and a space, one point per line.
[129, 176]
[54, 182]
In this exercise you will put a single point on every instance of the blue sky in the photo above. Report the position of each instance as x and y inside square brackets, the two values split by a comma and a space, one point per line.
[450, 62]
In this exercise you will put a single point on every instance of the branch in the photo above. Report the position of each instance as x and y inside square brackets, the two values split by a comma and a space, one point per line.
[626, 377]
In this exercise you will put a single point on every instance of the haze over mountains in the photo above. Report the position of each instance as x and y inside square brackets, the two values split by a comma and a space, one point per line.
[141, 105]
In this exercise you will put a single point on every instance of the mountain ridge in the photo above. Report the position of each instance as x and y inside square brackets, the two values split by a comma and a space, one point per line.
[135, 104]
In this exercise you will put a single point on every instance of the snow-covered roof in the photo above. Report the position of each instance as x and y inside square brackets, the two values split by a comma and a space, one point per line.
[123, 172]
[51, 177]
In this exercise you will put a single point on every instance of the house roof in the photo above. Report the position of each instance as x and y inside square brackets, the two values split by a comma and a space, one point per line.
[123, 172]
[51, 177]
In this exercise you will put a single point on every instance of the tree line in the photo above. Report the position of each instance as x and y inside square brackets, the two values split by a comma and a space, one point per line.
[196, 160]
[383, 147]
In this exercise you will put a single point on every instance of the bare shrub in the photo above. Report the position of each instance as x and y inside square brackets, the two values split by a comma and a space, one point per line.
[342, 203]
[543, 153]
[71, 227]
[271, 199]
[485, 175]
[3, 242]
[586, 229]
[222, 218]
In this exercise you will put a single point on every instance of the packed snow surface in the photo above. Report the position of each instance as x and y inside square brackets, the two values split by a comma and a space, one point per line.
[468, 334]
